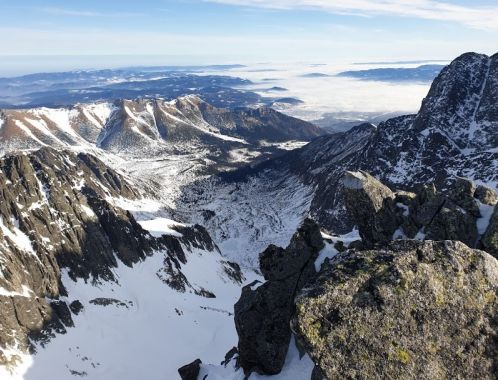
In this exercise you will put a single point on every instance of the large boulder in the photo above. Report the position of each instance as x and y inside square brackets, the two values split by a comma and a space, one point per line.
[486, 195]
[371, 205]
[190, 371]
[450, 214]
[262, 314]
[411, 310]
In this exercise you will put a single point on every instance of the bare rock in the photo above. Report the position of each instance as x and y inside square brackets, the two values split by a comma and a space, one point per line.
[411, 310]
[190, 371]
[262, 315]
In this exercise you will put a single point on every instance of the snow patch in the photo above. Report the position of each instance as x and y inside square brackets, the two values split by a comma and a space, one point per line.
[19, 238]
[295, 368]
[354, 180]
[486, 213]
[161, 226]
[25, 292]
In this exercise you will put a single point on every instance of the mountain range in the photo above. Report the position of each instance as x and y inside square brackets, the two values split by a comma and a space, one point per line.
[135, 224]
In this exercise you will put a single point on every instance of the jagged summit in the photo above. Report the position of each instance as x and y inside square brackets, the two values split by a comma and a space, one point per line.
[462, 103]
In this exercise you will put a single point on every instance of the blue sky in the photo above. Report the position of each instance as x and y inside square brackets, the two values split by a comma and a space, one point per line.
[222, 31]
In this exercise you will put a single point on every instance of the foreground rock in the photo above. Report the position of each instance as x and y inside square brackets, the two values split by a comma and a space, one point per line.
[410, 310]
[262, 315]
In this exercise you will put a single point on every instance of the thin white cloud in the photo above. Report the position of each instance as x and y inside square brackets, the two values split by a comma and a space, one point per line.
[84, 13]
[475, 16]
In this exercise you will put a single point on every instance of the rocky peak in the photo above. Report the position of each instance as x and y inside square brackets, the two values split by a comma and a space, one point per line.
[462, 103]
[262, 314]
[463, 211]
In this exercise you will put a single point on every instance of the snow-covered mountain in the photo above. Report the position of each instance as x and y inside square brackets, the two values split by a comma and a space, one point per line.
[146, 248]
[88, 264]
[148, 125]
[454, 134]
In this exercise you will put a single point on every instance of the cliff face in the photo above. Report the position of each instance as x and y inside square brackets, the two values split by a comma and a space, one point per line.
[58, 213]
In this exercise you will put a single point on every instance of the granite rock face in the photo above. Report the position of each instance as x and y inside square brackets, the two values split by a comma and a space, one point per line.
[454, 214]
[58, 211]
[409, 310]
[262, 315]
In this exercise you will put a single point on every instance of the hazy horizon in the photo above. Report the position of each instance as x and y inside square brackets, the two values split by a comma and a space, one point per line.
[58, 35]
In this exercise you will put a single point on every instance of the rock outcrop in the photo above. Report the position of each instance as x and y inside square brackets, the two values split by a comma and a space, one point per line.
[453, 214]
[371, 205]
[190, 371]
[408, 310]
[58, 211]
[262, 314]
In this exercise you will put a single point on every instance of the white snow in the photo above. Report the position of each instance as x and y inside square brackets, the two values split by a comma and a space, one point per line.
[98, 113]
[28, 132]
[329, 251]
[161, 226]
[22, 362]
[399, 234]
[295, 368]
[41, 125]
[286, 145]
[405, 208]
[483, 221]
[61, 118]
[19, 238]
[354, 180]
[154, 329]
[420, 234]
[88, 211]
[326, 253]
[25, 292]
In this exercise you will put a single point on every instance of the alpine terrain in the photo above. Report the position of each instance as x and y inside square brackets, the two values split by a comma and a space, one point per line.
[166, 239]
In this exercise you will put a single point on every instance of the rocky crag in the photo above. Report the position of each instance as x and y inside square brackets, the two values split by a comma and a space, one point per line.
[409, 310]
[58, 214]
[392, 305]
[463, 211]
[263, 313]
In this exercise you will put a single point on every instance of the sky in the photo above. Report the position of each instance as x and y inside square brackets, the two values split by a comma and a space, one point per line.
[100, 33]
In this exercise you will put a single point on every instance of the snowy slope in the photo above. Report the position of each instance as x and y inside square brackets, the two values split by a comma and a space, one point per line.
[166, 327]
[144, 126]
[71, 217]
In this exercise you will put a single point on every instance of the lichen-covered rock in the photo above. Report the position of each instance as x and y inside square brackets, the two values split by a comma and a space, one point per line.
[490, 238]
[462, 193]
[262, 315]
[411, 310]
[453, 223]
